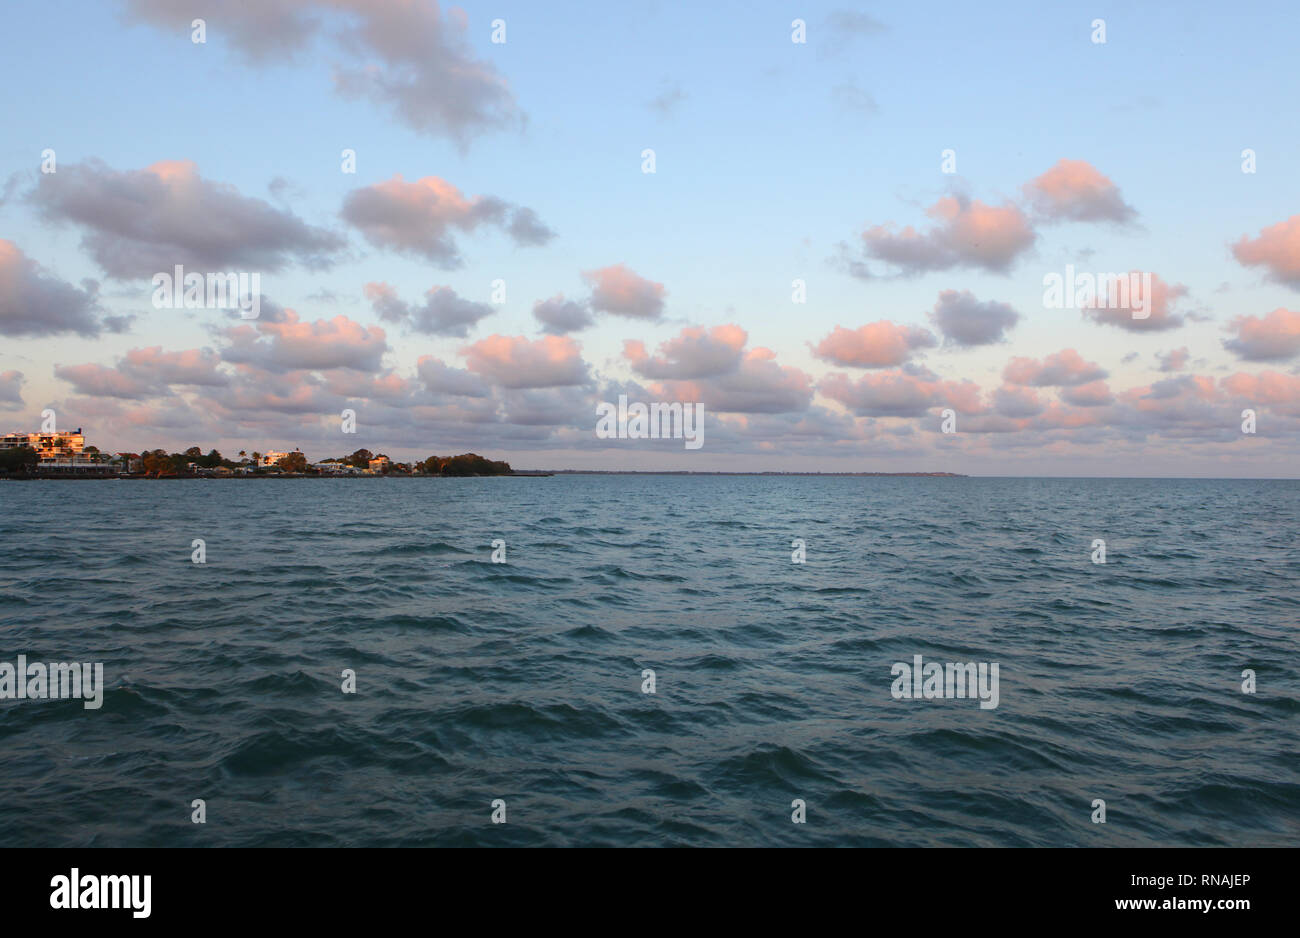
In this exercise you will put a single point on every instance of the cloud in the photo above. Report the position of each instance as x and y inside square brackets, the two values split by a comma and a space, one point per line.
[526, 229]
[440, 378]
[1017, 402]
[11, 384]
[1092, 394]
[1277, 250]
[33, 303]
[1159, 306]
[618, 290]
[146, 372]
[694, 353]
[1173, 361]
[1065, 368]
[517, 362]
[401, 54]
[442, 313]
[968, 233]
[99, 381]
[567, 407]
[901, 393]
[758, 385]
[141, 222]
[965, 321]
[880, 344]
[1282, 392]
[192, 366]
[850, 98]
[293, 344]
[668, 100]
[844, 27]
[559, 316]
[1274, 337]
[1073, 190]
[417, 218]
[354, 385]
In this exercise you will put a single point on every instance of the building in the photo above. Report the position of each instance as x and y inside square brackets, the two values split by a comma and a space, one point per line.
[62, 451]
[332, 467]
[271, 458]
[379, 464]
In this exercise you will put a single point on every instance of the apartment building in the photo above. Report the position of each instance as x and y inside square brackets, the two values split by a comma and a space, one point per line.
[58, 450]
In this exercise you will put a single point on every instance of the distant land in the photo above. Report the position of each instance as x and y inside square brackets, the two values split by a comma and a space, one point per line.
[691, 472]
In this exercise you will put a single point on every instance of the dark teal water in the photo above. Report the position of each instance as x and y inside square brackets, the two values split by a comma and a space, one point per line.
[522, 681]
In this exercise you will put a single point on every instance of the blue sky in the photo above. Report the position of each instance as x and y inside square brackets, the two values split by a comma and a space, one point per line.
[772, 160]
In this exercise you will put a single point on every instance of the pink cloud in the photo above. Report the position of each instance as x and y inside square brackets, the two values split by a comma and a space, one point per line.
[192, 366]
[969, 233]
[290, 344]
[1274, 337]
[1073, 190]
[1272, 388]
[518, 362]
[618, 290]
[1063, 368]
[1158, 305]
[1092, 394]
[418, 218]
[694, 353]
[1277, 250]
[100, 381]
[901, 394]
[880, 344]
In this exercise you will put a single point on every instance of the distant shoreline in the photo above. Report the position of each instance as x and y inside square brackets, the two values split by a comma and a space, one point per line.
[691, 472]
[518, 473]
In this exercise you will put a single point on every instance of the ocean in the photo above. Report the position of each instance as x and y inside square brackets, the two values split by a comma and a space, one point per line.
[519, 689]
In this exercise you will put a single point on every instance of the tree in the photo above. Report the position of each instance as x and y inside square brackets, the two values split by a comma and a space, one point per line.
[466, 464]
[293, 462]
[156, 461]
[361, 458]
[18, 459]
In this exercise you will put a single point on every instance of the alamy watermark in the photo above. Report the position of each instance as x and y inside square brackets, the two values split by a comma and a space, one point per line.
[54, 681]
[78, 890]
[657, 421]
[1131, 291]
[950, 681]
[231, 290]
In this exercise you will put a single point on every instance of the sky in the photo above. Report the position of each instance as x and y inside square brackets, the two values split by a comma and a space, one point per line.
[843, 251]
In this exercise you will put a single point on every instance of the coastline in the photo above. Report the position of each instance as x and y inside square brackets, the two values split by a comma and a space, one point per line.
[517, 474]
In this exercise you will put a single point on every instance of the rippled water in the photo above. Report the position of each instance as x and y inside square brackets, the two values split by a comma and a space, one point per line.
[522, 681]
